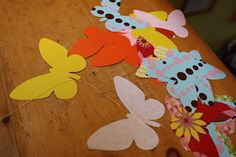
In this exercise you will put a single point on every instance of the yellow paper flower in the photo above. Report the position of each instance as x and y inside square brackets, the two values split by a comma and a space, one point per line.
[188, 124]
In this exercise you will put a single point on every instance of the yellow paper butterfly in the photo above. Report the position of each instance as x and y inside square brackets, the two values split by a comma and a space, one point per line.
[59, 80]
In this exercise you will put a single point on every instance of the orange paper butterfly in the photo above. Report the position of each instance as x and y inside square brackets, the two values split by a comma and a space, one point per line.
[107, 48]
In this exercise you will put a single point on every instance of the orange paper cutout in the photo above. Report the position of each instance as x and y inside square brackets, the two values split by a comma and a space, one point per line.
[107, 48]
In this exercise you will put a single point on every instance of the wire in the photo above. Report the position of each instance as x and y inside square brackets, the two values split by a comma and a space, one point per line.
[28, 102]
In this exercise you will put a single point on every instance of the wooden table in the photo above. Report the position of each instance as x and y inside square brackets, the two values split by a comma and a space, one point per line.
[60, 128]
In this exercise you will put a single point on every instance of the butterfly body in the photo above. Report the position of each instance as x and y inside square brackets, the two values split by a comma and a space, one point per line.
[189, 83]
[115, 22]
[59, 79]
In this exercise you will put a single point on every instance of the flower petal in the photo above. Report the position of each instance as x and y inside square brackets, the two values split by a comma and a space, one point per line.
[200, 122]
[199, 129]
[187, 134]
[195, 134]
[174, 119]
[174, 126]
[197, 115]
[180, 131]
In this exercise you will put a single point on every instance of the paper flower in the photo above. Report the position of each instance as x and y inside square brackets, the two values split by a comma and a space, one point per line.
[188, 124]
[204, 123]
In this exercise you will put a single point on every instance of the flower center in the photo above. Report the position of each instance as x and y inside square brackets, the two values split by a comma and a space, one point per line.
[144, 41]
[186, 120]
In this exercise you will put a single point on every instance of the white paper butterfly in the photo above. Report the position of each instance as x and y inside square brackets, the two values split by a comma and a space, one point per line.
[120, 134]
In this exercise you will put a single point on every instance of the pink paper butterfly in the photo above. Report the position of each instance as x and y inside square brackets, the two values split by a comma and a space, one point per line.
[120, 134]
[174, 23]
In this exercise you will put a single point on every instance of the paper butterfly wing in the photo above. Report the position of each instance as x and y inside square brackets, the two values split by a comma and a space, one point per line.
[108, 55]
[53, 53]
[207, 71]
[90, 44]
[75, 63]
[112, 4]
[113, 26]
[42, 86]
[119, 135]
[112, 52]
[66, 90]
[144, 136]
[114, 136]
[36, 88]
[134, 100]
[177, 18]
[150, 17]
[176, 21]
[99, 11]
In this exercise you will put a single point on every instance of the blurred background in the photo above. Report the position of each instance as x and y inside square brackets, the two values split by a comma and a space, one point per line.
[215, 22]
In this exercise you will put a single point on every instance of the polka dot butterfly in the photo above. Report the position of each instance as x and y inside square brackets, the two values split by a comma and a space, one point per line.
[114, 21]
[186, 75]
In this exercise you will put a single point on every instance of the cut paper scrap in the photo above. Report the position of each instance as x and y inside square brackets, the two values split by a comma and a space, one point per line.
[225, 98]
[223, 137]
[120, 134]
[200, 128]
[142, 70]
[115, 22]
[186, 75]
[107, 48]
[174, 23]
[60, 79]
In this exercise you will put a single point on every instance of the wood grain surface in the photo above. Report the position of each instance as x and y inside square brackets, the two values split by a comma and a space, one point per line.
[60, 128]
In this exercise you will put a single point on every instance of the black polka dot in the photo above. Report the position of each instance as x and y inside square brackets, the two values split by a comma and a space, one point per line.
[203, 96]
[109, 16]
[174, 79]
[118, 4]
[133, 27]
[194, 103]
[126, 24]
[118, 20]
[211, 103]
[93, 9]
[164, 62]
[195, 67]
[187, 108]
[112, 1]
[181, 76]
[200, 64]
[189, 71]
[100, 12]
[196, 88]
[202, 61]
[234, 104]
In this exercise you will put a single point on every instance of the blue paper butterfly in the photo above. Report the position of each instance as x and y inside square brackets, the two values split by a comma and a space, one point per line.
[186, 75]
[114, 21]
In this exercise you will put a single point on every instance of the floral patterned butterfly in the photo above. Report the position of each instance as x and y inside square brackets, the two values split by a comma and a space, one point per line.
[109, 12]
[186, 75]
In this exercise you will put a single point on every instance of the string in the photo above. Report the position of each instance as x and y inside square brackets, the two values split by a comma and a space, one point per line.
[28, 102]
[100, 91]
